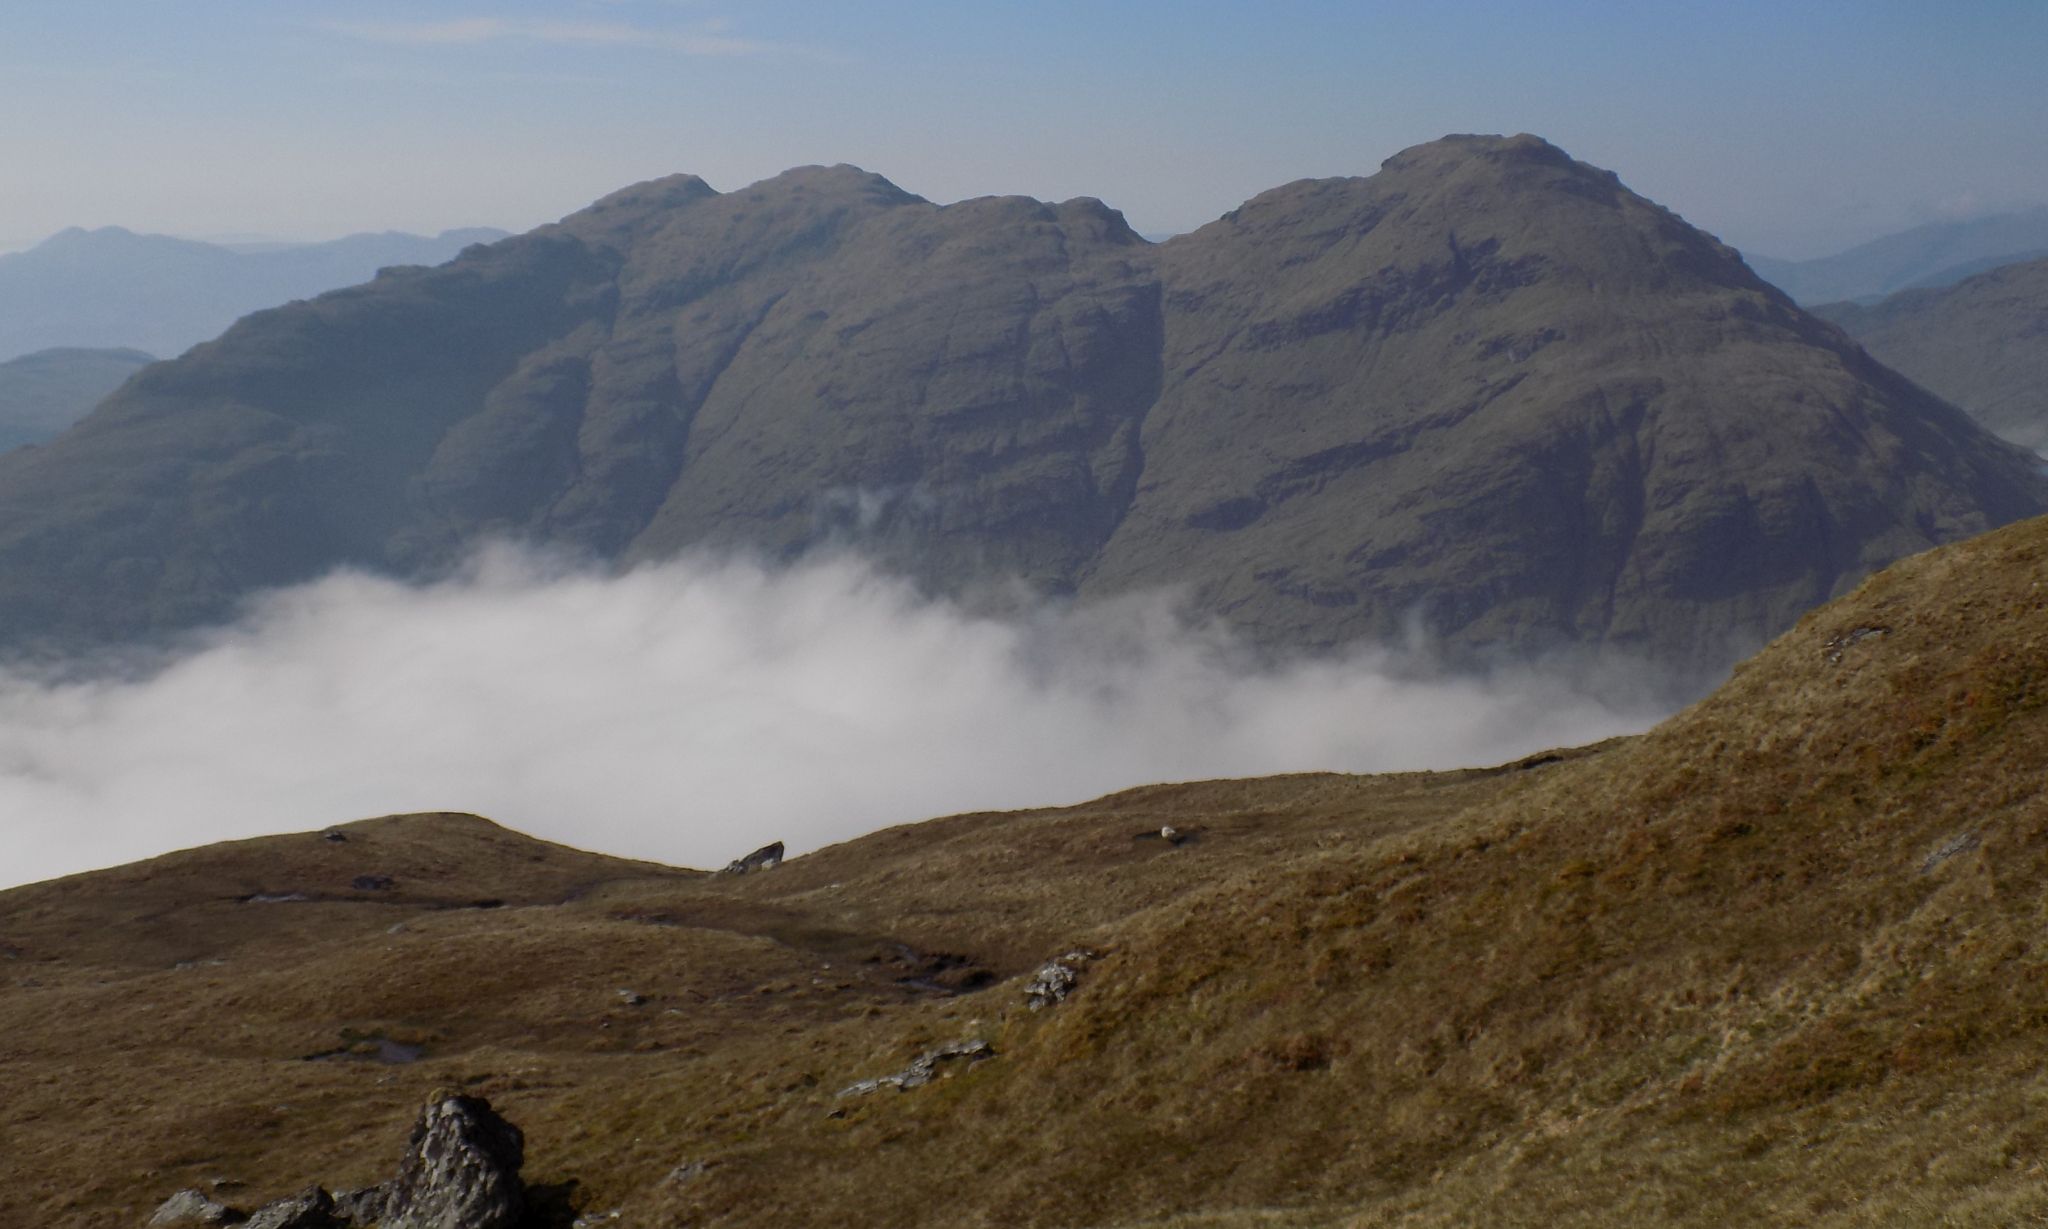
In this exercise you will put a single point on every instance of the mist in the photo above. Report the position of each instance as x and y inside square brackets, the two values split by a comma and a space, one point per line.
[692, 711]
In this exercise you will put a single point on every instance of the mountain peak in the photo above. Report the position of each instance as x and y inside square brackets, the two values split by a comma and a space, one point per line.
[839, 179]
[1460, 152]
[622, 215]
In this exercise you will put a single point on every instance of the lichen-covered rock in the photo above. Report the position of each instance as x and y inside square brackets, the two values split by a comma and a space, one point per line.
[361, 1207]
[461, 1171]
[1056, 979]
[190, 1208]
[310, 1209]
[923, 1069]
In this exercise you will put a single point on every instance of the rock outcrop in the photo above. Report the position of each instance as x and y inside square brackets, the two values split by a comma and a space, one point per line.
[924, 1068]
[189, 1209]
[460, 1171]
[1056, 979]
[768, 857]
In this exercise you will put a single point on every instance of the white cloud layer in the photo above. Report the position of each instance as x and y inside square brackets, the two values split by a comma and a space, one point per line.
[691, 711]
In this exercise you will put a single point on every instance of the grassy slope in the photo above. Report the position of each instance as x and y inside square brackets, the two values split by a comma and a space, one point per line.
[1712, 975]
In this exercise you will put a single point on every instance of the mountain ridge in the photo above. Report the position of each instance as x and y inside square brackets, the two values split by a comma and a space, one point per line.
[110, 287]
[1487, 390]
[1982, 343]
[43, 393]
[1925, 257]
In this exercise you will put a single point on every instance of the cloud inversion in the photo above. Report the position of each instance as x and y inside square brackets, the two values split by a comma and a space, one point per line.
[691, 711]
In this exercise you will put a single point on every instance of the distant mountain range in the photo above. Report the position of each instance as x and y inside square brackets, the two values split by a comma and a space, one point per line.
[43, 393]
[112, 288]
[1937, 254]
[1487, 394]
[1982, 343]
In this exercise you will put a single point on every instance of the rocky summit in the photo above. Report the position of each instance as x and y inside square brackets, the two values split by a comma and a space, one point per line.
[1487, 393]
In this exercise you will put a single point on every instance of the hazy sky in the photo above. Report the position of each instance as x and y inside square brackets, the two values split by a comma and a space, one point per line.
[1788, 128]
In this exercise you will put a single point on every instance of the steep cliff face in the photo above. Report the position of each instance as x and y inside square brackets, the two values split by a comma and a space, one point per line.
[1488, 391]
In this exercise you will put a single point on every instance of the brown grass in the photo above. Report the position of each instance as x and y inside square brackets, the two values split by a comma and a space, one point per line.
[1778, 961]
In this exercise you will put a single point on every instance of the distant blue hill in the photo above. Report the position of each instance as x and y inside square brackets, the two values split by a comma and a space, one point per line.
[43, 393]
[112, 288]
[1938, 254]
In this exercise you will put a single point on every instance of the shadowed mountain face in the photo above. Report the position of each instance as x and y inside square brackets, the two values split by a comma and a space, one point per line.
[43, 393]
[1983, 344]
[1487, 391]
[115, 288]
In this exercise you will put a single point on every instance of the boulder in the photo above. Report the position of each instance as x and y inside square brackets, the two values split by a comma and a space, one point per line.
[190, 1208]
[460, 1171]
[765, 858]
[310, 1209]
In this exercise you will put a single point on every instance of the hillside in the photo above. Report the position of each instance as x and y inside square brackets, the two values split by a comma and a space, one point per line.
[43, 393]
[1925, 257]
[1487, 394]
[1982, 344]
[112, 288]
[1775, 962]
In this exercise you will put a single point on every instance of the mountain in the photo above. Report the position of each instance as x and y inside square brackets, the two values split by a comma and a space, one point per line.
[114, 288]
[1487, 393]
[1778, 961]
[1982, 344]
[43, 393]
[1937, 254]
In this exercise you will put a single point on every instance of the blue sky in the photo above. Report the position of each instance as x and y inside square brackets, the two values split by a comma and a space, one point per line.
[1791, 128]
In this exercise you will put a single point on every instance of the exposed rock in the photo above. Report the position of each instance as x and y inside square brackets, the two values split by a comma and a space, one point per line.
[373, 883]
[190, 1208]
[767, 857]
[460, 1171]
[362, 1207]
[335, 836]
[1056, 979]
[1840, 644]
[311, 1209]
[1961, 843]
[923, 1069]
